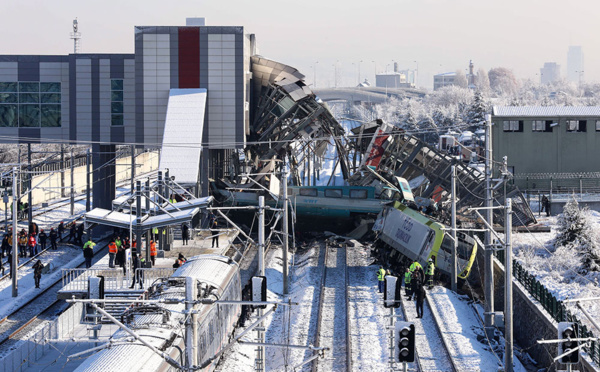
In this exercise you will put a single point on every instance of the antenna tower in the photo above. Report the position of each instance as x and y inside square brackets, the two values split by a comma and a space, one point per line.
[76, 36]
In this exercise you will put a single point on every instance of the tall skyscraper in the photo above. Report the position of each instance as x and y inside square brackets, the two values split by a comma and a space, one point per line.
[575, 64]
[550, 73]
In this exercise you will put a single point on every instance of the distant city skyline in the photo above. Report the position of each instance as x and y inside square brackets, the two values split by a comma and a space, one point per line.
[431, 36]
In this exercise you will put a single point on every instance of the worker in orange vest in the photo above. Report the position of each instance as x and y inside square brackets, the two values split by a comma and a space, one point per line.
[153, 252]
[112, 252]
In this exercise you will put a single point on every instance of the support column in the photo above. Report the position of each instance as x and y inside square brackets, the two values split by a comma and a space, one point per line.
[489, 216]
[30, 181]
[132, 167]
[508, 292]
[62, 171]
[103, 177]
[88, 201]
[285, 231]
[72, 193]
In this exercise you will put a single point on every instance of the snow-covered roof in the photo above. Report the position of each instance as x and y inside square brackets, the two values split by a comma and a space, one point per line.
[546, 111]
[124, 220]
[446, 74]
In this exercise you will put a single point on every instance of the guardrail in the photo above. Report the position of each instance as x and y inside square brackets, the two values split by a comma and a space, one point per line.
[114, 279]
[34, 347]
[556, 309]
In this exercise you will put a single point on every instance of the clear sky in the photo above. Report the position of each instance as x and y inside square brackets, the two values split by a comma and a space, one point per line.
[437, 35]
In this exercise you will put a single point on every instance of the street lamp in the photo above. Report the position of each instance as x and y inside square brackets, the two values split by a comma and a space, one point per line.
[128, 250]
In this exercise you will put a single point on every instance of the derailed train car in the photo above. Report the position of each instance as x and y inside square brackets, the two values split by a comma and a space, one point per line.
[218, 277]
[418, 238]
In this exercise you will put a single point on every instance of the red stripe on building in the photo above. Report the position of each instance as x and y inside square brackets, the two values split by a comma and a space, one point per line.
[189, 57]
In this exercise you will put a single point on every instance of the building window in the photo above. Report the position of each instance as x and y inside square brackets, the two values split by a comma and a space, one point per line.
[597, 125]
[541, 126]
[30, 104]
[576, 125]
[513, 125]
[116, 102]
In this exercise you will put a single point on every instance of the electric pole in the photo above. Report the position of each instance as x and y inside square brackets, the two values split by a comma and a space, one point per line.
[454, 284]
[508, 308]
[285, 231]
[260, 354]
[72, 184]
[15, 250]
[489, 216]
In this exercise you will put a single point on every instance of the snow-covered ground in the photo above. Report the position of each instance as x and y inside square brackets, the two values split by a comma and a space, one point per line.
[557, 270]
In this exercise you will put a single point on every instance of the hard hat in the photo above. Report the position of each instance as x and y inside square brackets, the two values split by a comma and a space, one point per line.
[431, 260]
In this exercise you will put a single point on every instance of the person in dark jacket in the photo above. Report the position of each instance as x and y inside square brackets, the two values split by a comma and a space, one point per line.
[79, 234]
[185, 233]
[214, 232]
[72, 233]
[37, 272]
[88, 253]
[5, 245]
[42, 238]
[420, 297]
[53, 238]
[61, 231]
[120, 259]
[136, 264]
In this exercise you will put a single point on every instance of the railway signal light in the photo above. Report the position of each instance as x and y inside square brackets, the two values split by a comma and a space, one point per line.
[567, 331]
[392, 292]
[405, 342]
[259, 290]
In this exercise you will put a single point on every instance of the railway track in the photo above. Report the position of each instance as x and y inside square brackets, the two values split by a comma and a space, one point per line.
[432, 352]
[44, 307]
[333, 326]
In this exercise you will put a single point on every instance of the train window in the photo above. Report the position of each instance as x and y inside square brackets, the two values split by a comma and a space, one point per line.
[358, 194]
[333, 193]
[308, 192]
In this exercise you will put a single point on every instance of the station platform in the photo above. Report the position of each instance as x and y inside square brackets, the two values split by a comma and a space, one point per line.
[116, 281]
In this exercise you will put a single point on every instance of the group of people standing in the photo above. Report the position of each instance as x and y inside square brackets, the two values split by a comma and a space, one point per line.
[415, 281]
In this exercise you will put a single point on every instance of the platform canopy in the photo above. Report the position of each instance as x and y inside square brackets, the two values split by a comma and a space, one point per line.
[182, 138]
[120, 204]
[121, 220]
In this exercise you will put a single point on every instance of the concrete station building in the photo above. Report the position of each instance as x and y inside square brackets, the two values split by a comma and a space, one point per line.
[112, 99]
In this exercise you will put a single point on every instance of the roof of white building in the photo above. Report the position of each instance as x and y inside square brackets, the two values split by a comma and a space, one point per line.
[546, 111]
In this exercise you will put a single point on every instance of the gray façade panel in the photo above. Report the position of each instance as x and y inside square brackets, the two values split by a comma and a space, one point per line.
[72, 98]
[29, 135]
[174, 56]
[96, 100]
[139, 85]
[239, 90]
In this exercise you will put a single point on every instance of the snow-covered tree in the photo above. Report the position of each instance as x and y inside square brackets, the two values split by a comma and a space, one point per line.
[477, 110]
[483, 81]
[503, 81]
[576, 230]
[460, 79]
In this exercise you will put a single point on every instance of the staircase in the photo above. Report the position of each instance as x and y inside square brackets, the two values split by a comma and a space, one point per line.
[126, 297]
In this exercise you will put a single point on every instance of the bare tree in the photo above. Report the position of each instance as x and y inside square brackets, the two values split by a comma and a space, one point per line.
[503, 81]
[460, 79]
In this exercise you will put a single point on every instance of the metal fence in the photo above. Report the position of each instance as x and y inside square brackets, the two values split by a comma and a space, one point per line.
[114, 279]
[557, 310]
[33, 348]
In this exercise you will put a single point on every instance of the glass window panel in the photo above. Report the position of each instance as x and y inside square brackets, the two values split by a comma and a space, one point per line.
[116, 84]
[29, 115]
[335, 193]
[8, 98]
[29, 87]
[29, 98]
[50, 87]
[117, 119]
[50, 116]
[116, 107]
[572, 125]
[50, 97]
[538, 125]
[8, 87]
[358, 194]
[308, 192]
[597, 125]
[9, 116]
[116, 96]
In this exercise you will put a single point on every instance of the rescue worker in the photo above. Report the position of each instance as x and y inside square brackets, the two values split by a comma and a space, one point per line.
[32, 245]
[381, 278]
[112, 253]
[88, 252]
[23, 244]
[61, 230]
[42, 237]
[153, 252]
[120, 259]
[72, 233]
[429, 272]
[214, 232]
[414, 265]
[53, 238]
[407, 279]
[37, 272]
[185, 233]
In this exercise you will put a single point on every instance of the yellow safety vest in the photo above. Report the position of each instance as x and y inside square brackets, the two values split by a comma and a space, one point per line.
[381, 274]
[430, 268]
[407, 277]
[414, 266]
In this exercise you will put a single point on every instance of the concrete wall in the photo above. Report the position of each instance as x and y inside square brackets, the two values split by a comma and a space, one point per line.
[47, 187]
[531, 323]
